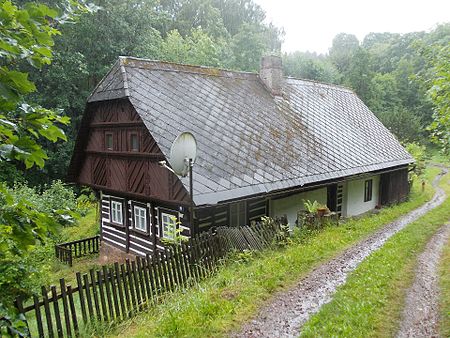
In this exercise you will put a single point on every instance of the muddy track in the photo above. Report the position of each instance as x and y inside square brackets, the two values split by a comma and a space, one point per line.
[421, 313]
[287, 311]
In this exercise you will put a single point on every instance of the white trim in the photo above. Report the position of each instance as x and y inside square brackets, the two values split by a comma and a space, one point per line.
[114, 235]
[114, 229]
[138, 252]
[139, 245]
[111, 241]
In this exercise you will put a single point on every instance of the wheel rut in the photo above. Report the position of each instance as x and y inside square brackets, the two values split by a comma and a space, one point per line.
[287, 311]
[421, 313]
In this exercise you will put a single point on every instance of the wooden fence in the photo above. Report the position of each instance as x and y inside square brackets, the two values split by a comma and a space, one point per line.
[66, 252]
[116, 292]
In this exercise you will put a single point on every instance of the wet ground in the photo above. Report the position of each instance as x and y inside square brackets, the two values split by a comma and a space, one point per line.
[286, 312]
[421, 313]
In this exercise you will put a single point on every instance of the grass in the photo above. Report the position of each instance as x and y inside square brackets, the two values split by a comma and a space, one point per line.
[87, 226]
[444, 283]
[223, 302]
[371, 301]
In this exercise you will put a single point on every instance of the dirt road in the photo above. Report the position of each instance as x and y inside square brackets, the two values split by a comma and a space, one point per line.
[421, 312]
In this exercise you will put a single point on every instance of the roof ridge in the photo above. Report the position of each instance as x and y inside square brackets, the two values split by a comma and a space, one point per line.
[184, 67]
[333, 85]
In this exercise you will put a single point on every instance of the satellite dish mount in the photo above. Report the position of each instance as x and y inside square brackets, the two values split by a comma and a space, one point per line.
[182, 158]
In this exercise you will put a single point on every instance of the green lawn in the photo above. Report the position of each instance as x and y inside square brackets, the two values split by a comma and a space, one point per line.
[371, 301]
[223, 302]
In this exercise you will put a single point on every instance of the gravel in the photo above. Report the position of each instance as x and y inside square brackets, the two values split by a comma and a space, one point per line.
[421, 312]
[286, 312]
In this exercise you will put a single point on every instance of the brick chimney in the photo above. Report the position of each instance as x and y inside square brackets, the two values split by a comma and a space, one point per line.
[271, 73]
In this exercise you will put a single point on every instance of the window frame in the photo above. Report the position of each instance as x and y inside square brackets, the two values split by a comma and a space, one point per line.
[116, 202]
[130, 139]
[107, 134]
[162, 213]
[368, 190]
[145, 217]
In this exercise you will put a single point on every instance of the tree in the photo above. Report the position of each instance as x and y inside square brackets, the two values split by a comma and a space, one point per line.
[439, 94]
[342, 50]
[27, 39]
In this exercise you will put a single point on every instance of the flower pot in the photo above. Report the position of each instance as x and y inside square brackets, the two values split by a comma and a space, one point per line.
[321, 211]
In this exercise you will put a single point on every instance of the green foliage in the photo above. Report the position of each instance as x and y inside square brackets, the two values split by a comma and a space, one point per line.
[311, 207]
[420, 156]
[310, 66]
[439, 94]
[27, 41]
[174, 234]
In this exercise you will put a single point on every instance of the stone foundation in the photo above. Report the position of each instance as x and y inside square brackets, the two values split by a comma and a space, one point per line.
[110, 254]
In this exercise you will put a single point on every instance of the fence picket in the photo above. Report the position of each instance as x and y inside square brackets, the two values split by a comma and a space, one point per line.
[72, 310]
[125, 288]
[136, 284]
[106, 282]
[131, 286]
[102, 297]
[81, 296]
[37, 311]
[120, 290]
[113, 282]
[59, 328]
[95, 294]
[48, 316]
[62, 284]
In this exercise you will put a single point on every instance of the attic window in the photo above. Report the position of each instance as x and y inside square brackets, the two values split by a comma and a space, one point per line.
[109, 145]
[134, 142]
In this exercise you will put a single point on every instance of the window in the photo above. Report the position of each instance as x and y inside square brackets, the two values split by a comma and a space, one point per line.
[367, 190]
[140, 218]
[109, 141]
[116, 212]
[237, 214]
[134, 142]
[168, 225]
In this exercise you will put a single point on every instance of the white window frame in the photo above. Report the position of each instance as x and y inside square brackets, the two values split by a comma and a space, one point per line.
[139, 217]
[116, 212]
[168, 222]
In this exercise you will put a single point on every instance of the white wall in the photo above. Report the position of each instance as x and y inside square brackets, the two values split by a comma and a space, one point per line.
[291, 205]
[354, 201]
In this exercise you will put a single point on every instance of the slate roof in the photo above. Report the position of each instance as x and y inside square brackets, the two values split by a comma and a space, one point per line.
[249, 141]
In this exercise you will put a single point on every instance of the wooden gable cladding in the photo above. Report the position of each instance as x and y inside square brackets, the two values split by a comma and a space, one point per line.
[110, 160]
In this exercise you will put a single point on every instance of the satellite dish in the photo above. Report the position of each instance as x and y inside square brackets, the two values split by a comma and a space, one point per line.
[183, 149]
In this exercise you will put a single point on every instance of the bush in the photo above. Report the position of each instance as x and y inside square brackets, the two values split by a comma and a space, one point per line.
[56, 200]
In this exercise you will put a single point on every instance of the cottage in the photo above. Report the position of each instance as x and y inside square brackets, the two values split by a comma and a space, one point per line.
[265, 143]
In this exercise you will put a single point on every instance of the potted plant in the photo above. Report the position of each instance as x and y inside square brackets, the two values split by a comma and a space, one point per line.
[322, 210]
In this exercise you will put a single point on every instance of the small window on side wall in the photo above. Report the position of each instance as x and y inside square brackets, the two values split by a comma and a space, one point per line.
[367, 190]
[168, 225]
[109, 143]
[116, 212]
[134, 142]
[140, 218]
